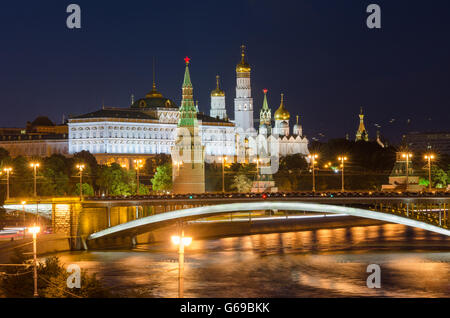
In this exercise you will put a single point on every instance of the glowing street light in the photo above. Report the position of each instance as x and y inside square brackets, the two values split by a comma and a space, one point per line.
[138, 165]
[313, 158]
[8, 171]
[24, 216]
[35, 165]
[342, 159]
[429, 157]
[181, 241]
[258, 161]
[80, 167]
[407, 156]
[35, 230]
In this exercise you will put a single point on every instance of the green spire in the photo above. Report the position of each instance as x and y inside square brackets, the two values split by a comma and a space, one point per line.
[187, 77]
[188, 111]
[265, 114]
[265, 105]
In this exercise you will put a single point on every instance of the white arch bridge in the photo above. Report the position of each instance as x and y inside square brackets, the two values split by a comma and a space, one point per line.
[146, 224]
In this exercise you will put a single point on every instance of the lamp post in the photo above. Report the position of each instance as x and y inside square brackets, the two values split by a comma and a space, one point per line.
[137, 164]
[35, 230]
[181, 241]
[342, 159]
[313, 158]
[407, 156]
[429, 157]
[224, 159]
[24, 216]
[80, 167]
[35, 165]
[8, 171]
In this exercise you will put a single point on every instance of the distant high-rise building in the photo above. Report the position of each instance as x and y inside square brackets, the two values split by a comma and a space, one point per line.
[428, 141]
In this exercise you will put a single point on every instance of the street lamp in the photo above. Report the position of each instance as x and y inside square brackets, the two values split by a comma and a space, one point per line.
[35, 165]
[224, 159]
[313, 158]
[35, 230]
[407, 156]
[342, 159]
[8, 171]
[429, 157]
[181, 241]
[24, 216]
[80, 167]
[137, 165]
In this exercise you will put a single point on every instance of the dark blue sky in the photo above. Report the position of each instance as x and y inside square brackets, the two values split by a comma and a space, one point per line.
[319, 53]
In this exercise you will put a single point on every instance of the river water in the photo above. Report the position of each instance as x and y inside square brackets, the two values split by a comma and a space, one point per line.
[318, 263]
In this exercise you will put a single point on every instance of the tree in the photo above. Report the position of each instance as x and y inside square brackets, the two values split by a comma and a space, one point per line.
[114, 180]
[55, 173]
[242, 183]
[162, 180]
[438, 177]
[52, 281]
[86, 188]
[153, 163]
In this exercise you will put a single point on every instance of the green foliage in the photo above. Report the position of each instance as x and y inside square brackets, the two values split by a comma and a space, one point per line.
[114, 180]
[162, 180]
[22, 177]
[52, 281]
[424, 182]
[86, 188]
[242, 183]
[151, 164]
[438, 177]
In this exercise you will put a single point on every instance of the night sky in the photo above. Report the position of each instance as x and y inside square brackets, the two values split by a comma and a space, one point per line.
[319, 53]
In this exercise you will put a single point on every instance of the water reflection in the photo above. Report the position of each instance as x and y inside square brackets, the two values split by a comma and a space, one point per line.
[320, 263]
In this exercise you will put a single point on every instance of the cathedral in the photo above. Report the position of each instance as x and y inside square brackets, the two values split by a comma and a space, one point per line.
[149, 126]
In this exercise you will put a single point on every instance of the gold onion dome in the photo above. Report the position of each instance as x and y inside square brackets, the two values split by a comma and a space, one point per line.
[243, 66]
[282, 113]
[217, 91]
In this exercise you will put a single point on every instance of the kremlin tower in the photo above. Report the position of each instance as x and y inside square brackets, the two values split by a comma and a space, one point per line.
[265, 117]
[218, 109]
[188, 168]
[243, 103]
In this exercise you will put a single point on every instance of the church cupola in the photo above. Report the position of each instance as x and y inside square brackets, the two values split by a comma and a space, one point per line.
[218, 108]
[282, 119]
[362, 133]
[297, 128]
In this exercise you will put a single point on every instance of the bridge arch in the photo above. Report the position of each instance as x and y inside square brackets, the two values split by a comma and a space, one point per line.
[142, 225]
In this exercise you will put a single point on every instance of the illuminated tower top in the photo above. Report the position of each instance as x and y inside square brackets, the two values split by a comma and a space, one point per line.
[362, 134]
[188, 111]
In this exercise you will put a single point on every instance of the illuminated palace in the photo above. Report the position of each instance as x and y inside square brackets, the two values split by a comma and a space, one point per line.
[148, 126]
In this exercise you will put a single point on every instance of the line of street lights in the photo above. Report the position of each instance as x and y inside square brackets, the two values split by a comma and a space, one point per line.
[342, 158]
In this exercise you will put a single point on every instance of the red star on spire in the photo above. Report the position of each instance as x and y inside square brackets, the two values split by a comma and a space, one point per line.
[186, 59]
[265, 90]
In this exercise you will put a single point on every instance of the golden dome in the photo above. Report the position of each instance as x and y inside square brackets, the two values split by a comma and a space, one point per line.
[282, 113]
[243, 66]
[154, 93]
[217, 91]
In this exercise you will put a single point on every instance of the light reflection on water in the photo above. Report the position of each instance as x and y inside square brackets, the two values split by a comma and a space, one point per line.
[320, 263]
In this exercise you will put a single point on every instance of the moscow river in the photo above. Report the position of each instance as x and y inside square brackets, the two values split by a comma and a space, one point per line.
[318, 263]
